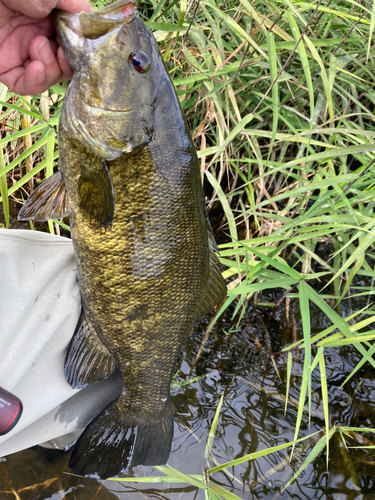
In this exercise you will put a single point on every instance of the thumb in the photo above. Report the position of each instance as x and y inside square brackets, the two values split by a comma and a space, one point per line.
[74, 6]
[42, 8]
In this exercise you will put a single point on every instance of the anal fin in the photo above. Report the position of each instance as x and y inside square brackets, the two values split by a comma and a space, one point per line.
[87, 360]
[48, 201]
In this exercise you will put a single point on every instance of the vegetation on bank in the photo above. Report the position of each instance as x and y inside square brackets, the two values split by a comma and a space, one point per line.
[280, 98]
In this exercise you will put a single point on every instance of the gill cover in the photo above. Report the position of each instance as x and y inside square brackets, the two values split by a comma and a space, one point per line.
[110, 102]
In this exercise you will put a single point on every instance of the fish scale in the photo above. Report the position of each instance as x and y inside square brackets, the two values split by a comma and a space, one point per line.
[145, 253]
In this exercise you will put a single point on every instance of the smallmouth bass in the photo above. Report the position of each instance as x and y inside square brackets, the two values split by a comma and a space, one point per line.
[130, 180]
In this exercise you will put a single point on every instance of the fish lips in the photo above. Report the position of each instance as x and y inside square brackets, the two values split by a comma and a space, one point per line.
[74, 30]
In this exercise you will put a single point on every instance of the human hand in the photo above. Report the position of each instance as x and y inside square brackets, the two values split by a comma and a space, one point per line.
[30, 59]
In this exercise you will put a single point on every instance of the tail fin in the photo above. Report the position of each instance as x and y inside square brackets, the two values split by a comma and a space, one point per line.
[109, 445]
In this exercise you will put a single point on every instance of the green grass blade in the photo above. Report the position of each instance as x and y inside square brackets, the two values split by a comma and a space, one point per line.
[4, 189]
[223, 492]
[224, 202]
[24, 180]
[168, 478]
[237, 28]
[257, 287]
[339, 323]
[324, 76]
[324, 388]
[22, 110]
[37, 145]
[50, 146]
[258, 454]
[288, 376]
[318, 448]
[304, 59]
[371, 30]
[301, 404]
[3, 181]
[236, 130]
[281, 266]
[358, 366]
[213, 428]
[303, 289]
[275, 89]
[22, 133]
[185, 478]
[358, 252]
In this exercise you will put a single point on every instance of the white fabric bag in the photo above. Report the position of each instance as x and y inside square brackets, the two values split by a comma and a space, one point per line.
[39, 309]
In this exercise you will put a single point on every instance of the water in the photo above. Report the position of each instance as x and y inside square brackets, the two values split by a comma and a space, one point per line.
[252, 418]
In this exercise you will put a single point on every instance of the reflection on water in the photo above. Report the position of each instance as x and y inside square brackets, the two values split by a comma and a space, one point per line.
[252, 418]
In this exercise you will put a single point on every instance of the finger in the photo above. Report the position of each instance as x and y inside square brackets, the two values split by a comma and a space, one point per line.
[41, 50]
[38, 75]
[66, 70]
[74, 6]
[42, 8]
[26, 81]
[34, 8]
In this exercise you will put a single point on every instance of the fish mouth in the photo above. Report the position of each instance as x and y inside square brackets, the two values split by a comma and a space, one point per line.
[95, 24]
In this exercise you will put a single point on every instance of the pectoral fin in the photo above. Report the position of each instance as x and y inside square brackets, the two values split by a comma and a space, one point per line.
[88, 360]
[96, 198]
[48, 201]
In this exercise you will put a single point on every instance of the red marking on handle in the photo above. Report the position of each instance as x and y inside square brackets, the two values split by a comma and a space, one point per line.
[13, 418]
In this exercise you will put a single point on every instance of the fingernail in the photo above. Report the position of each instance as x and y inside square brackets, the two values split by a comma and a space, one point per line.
[40, 76]
[45, 52]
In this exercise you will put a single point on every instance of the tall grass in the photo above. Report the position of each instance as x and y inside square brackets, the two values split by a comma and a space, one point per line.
[280, 97]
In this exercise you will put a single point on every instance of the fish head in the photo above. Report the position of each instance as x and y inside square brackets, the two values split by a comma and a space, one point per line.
[117, 68]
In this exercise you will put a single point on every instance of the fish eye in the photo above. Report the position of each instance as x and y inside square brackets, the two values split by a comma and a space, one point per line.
[140, 61]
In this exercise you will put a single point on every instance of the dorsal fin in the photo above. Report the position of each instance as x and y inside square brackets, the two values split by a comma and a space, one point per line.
[215, 289]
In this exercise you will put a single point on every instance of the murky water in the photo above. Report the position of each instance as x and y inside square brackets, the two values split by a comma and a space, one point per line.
[252, 418]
